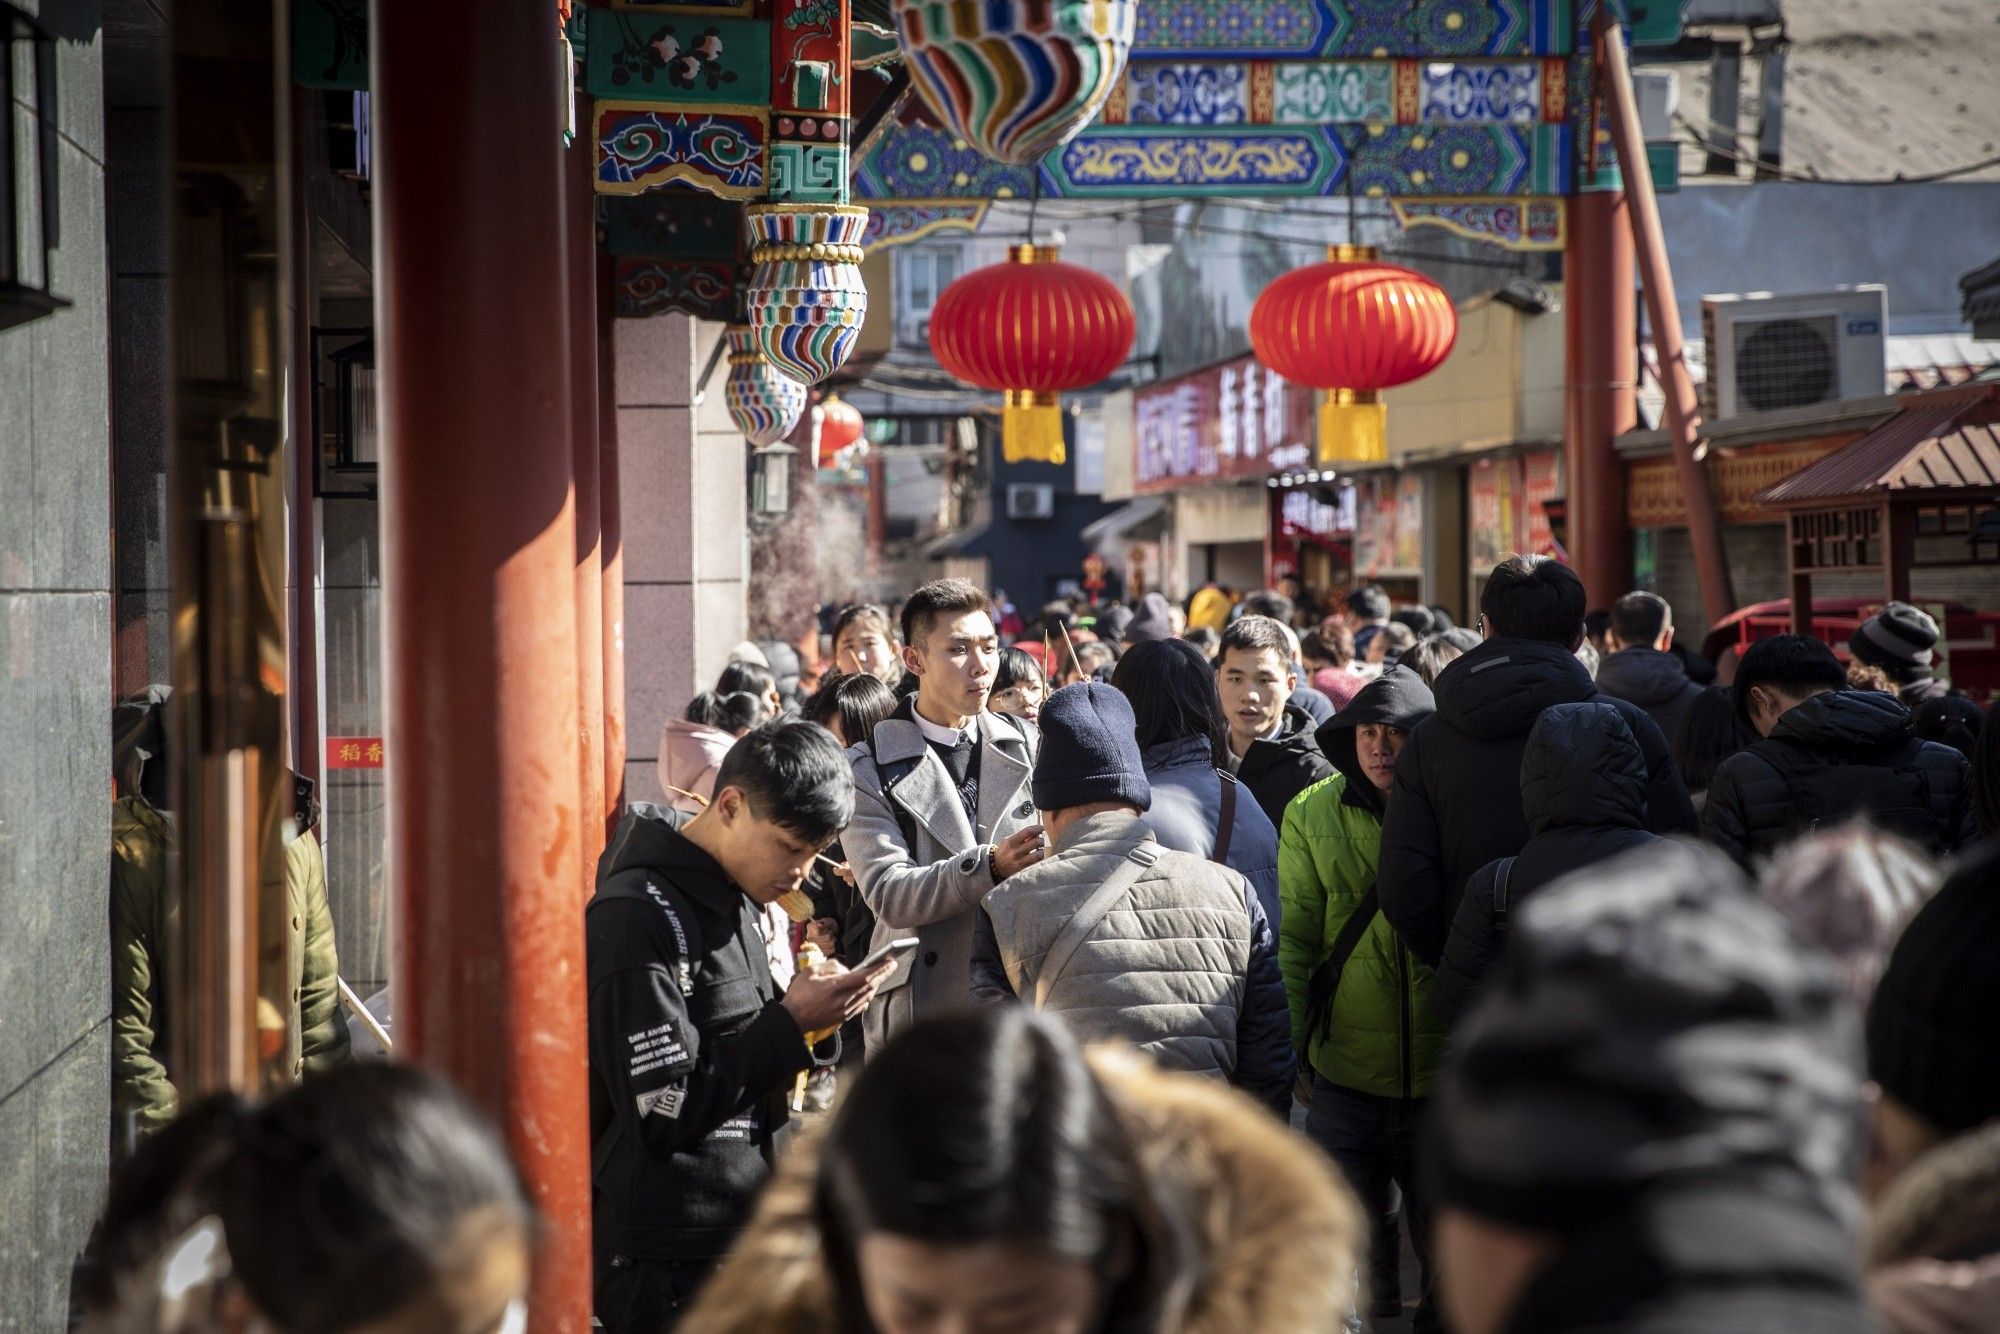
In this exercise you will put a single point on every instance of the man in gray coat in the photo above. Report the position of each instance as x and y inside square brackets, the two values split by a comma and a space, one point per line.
[1123, 938]
[941, 809]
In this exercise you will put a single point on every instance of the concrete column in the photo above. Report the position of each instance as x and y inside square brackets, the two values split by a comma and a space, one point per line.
[682, 470]
[479, 570]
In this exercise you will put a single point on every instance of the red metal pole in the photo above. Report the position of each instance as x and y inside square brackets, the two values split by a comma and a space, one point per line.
[1600, 333]
[580, 240]
[1683, 415]
[611, 553]
[479, 557]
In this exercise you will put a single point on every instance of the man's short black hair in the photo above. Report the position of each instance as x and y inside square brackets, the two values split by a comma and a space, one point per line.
[1418, 619]
[1267, 603]
[1254, 634]
[1795, 664]
[1640, 618]
[794, 776]
[1533, 597]
[940, 597]
[1368, 602]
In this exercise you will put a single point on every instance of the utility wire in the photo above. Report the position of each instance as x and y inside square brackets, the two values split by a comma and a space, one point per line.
[1810, 178]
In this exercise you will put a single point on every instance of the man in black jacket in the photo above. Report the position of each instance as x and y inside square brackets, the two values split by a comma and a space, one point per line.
[1829, 754]
[691, 1050]
[1271, 745]
[1640, 667]
[1457, 800]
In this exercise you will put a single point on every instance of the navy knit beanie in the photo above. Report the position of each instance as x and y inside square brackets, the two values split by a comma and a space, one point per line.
[1090, 750]
[1934, 1025]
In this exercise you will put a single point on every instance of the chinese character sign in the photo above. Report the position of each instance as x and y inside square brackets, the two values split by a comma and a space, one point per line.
[1233, 420]
[354, 752]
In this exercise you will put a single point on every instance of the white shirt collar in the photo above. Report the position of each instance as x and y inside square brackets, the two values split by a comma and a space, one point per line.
[944, 736]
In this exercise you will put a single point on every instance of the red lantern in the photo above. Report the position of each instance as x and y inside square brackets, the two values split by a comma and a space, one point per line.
[1353, 326]
[839, 427]
[1031, 328]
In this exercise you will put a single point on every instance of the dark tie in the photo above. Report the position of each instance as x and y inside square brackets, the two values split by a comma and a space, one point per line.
[962, 762]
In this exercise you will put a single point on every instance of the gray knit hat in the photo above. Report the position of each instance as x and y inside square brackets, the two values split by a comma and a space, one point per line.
[1653, 1023]
[1899, 638]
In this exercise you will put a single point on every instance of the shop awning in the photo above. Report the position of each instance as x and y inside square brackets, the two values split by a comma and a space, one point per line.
[965, 542]
[1945, 440]
[1139, 520]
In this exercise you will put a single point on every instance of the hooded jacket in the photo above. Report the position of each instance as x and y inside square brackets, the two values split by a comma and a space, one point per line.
[1583, 789]
[690, 1049]
[1457, 803]
[1187, 812]
[1657, 682]
[1934, 1240]
[1380, 1036]
[691, 755]
[1182, 967]
[1272, 1238]
[1276, 771]
[1753, 803]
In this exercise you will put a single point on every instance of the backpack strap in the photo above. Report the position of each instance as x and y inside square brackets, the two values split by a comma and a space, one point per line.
[1094, 910]
[1325, 980]
[1225, 822]
[1500, 879]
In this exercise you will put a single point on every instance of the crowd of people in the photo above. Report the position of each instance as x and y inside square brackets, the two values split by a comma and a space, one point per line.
[1170, 967]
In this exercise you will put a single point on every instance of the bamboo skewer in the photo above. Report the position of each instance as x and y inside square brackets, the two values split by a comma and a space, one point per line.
[365, 1015]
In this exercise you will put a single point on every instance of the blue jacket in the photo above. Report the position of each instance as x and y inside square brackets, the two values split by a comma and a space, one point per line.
[1187, 804]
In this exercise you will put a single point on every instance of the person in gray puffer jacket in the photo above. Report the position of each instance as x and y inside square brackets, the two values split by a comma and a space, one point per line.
[1181, 735]
[1125, 939]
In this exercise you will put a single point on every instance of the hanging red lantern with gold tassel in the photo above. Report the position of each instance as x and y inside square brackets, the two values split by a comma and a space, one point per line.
[1032, 328]
[1353, 326]
[839, 427]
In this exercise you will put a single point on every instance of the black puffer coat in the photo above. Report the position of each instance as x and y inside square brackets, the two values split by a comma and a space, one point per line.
[1583, 788]
[1657, 682]
[1276, 771]
[1457, 802]
[1753, 805]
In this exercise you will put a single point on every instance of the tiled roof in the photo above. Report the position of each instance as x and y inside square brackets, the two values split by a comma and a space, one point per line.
[1946, 440]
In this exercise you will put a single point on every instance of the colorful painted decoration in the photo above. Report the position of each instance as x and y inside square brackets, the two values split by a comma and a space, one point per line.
[840, 425]
[1430, 29]
[806, 298]
[1015, 78]
[1031, 328]
[1353, 326]
[895, 226]
[764, 404]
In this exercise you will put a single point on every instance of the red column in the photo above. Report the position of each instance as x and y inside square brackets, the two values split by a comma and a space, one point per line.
[581, 243]
[479, 556]
[1600, 356]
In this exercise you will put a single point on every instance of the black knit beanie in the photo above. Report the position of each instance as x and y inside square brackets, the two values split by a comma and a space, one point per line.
[1090, 750]
[1898, 639]
[1934, 1025]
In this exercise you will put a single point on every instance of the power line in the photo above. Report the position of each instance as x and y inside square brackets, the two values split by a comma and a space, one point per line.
[1810, 178]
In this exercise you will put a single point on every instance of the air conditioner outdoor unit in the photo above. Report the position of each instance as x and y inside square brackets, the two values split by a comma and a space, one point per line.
[1031, 500]
[1791, 351]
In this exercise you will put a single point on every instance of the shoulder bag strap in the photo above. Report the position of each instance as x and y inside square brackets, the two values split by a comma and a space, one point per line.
[1094, 909]
[1500, 879]
[1326, 978]
[1225, 823]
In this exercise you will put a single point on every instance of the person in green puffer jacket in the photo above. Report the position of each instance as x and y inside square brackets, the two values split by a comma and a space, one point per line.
[142, 910]
[1372, 1049]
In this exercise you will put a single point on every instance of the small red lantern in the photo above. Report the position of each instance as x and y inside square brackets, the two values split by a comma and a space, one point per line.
[839, 426]
[1353, 326]
[1031, 328]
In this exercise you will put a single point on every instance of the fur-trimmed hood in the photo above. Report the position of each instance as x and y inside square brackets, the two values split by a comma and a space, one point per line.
[1934, 1241]
[1277, 1236]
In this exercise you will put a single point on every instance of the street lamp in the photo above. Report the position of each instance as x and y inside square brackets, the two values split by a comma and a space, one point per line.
[771, 479]
[29, 212]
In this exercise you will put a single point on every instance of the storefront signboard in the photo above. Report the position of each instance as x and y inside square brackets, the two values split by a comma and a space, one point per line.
[1236, 420]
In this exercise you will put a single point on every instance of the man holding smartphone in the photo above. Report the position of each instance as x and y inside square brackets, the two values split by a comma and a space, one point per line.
[941, 807]
[691, 1048]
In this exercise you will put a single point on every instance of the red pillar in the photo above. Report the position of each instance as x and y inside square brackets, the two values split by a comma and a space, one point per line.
[479, 555]
[580, 241]
[1600, 356]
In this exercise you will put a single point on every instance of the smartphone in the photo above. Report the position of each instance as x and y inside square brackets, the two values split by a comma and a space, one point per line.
[895, 949]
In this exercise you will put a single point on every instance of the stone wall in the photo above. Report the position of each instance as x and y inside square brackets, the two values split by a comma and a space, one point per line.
[55, 730]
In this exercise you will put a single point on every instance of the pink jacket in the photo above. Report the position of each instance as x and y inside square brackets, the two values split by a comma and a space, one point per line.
[690, 755]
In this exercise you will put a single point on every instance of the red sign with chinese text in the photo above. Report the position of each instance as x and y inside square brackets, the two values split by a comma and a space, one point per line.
[1233, 420]
[354, 752]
